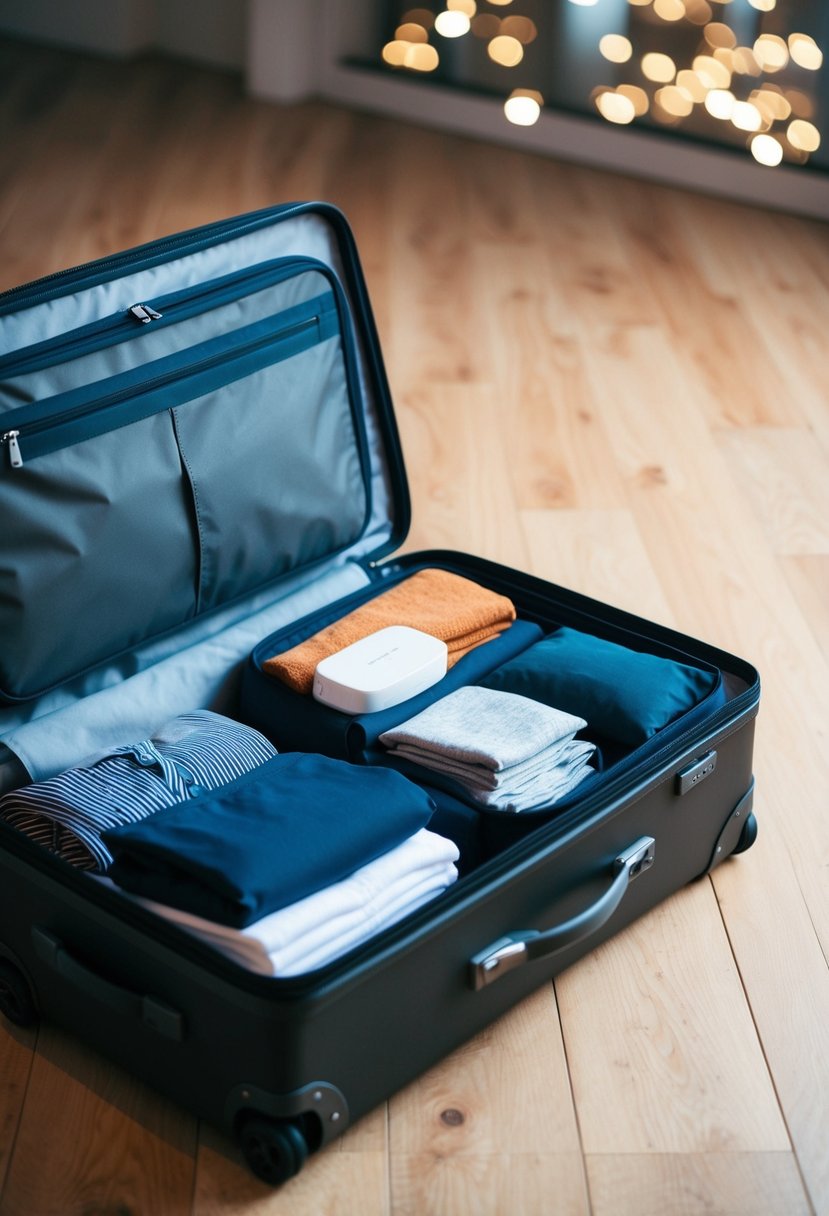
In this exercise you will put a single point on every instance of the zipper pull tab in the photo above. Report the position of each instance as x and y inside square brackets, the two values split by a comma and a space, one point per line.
[144, 313]
[10, 438]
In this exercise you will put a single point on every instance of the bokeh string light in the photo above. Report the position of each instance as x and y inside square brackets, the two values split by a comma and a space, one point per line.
[722, 81]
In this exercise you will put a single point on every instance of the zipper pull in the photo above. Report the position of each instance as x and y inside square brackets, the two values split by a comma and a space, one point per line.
[144, 313]
[10, 438]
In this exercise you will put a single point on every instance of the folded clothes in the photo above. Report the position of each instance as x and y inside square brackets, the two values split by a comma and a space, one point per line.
[626, 695]
[293, 826]
[193, 753]
[455, 609]
[325, 925]
[506, 751]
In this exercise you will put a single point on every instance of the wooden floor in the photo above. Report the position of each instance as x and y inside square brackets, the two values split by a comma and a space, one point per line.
[623, 388]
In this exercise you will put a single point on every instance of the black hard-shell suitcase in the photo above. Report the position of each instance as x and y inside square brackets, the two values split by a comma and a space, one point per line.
[200, 451]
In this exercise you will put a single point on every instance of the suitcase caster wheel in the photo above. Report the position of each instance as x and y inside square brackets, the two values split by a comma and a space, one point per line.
[16, 1000]
[747, 836]
[274, 1151]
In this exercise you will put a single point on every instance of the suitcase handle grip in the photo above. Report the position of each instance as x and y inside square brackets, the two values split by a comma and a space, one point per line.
[153, 1012]
[525, 946]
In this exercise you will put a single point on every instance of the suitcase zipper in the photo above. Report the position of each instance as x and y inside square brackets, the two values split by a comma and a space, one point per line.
[98, 405]
[144, 313]
[11, 437]
[150, 254]
[172, 307]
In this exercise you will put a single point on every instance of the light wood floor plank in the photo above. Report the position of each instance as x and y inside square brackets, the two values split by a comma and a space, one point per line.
[783, 474]
[599, 553]
[718, 1184]
[493, 1094]
[808, 579]
[555, 451]
[91, 1139]
[661, 1046]
[534, 1184]
[17, 1048]
[784, 972]
[500, 1110]
[225, 1186]
[457, 429]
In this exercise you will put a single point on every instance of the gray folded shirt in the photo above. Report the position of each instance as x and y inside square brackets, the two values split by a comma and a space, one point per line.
[507, 751]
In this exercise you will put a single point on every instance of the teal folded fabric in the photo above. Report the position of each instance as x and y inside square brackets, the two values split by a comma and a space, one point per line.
[622, 694]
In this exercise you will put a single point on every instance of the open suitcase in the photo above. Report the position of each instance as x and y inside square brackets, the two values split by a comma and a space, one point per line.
[200, 466]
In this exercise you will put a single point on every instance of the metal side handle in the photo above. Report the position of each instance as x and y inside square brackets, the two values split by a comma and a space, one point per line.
[155, 1013]
[524, 946]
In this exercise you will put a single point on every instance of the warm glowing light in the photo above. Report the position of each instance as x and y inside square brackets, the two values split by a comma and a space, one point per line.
[803, 135]
[636, 96]
[523, 107]
[463, 6]
[669, 10]
[720, 103]
[698, 11]
[616, 48]
[421, 57]
[771, 52]
[615, 107]
[712, 73]
[486, 25]
[720, 34]
[503, 3]
[764, 6]
[768, 100]
[639, 3]
[505, 50]
[584, 3]
[395, 52]
[801, 103]
[766, 150]
[745, 62]
[691, 85]
[658, 67]
[451, 24]
[746, 117]
[675, 101]
[410, 32]
[725, 56]
[521, 28]
[805, 52]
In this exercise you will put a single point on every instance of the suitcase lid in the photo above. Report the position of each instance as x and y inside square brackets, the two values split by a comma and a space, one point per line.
[256, 439]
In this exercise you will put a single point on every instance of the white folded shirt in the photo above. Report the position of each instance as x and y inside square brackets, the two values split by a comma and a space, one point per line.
[321, 927]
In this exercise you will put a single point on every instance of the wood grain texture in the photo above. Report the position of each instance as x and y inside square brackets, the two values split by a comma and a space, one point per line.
[719, 1184]
[624, 389]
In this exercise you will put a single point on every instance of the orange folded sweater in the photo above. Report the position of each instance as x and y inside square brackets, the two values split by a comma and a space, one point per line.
[458, 611]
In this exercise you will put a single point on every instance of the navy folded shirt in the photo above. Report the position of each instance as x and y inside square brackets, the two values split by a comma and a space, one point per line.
[294, 825]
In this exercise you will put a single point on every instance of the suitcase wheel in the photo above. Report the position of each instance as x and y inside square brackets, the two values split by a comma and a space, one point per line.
[748, 835]
[274, 1149]
[16, 999]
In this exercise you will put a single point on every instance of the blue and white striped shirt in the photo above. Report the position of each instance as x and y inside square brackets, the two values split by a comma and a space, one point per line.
[196, 752]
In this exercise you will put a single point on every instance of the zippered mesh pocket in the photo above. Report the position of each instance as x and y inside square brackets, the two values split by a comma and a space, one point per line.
[139, 499]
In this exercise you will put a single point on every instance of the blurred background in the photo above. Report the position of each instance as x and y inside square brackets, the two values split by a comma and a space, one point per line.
[724, 96]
